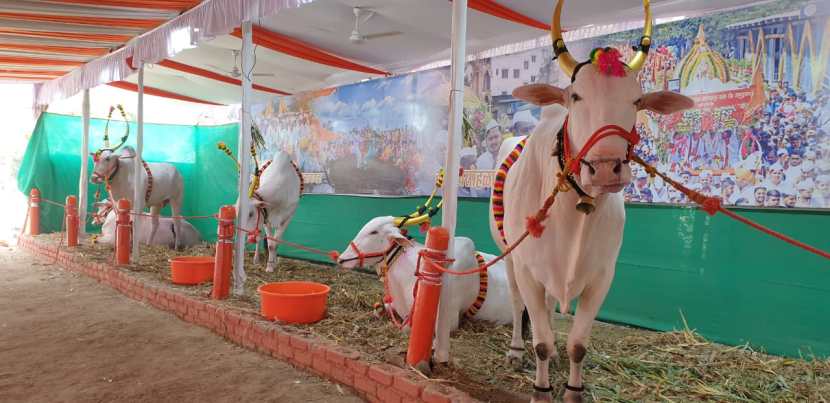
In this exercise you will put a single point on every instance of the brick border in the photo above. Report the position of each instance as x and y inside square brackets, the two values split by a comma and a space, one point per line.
[374, 382]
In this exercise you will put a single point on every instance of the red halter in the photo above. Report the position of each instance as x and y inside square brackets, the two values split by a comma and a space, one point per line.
[608, 130]
[361, 257]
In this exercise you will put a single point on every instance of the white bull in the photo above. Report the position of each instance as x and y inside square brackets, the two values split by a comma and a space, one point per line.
[273, 204]
[166, 234]
[381, 242]
[167, 186]
[575, 256]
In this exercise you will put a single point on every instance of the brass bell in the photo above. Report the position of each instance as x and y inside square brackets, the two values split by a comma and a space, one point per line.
[586, 204]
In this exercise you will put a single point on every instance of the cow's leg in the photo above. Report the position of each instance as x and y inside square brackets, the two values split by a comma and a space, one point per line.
[278, 230]
[260, 241]
[517, 343]
[533, 295]
[176, 208]
[154, 223]
[589, 304]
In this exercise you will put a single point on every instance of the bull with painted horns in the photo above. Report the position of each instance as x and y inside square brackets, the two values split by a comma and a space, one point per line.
[586, 137]
[162, 182]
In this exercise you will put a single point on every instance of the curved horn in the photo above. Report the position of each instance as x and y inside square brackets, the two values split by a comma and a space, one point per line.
[566, 61]
[639, 58]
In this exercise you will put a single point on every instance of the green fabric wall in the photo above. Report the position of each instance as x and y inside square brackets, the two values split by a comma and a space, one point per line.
[52, 164]
[733, 284]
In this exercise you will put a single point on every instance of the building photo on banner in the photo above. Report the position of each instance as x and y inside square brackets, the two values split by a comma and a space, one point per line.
[757, 136]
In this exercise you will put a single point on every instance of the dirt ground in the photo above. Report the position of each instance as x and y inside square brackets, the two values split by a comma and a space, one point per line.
[65, 338]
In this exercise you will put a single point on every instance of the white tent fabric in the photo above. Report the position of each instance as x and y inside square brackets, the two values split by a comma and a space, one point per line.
[419, 35]
[208, 19]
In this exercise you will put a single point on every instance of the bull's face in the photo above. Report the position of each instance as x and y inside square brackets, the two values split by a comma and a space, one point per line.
[595, 100]
[373, 241]
[602, 100]
[106, 162]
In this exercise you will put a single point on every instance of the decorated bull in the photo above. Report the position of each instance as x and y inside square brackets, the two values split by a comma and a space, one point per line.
[166, 234]
[585, 138]
[275, 192]
[162, 182]
[482, 296]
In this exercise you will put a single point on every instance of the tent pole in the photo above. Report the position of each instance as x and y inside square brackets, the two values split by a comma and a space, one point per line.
[454, 138]
[83, 182]
[244, 145]
[138, 196]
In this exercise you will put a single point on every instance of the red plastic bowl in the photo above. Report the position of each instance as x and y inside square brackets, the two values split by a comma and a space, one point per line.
[190, 270]
[293, 301]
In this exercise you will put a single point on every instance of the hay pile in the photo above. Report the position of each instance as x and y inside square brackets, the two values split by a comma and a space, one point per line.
[623, 364]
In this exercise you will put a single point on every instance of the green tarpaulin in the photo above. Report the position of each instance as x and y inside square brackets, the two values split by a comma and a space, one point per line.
[732, 284]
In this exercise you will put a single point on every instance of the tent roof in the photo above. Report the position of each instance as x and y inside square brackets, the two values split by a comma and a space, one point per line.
[56, 36]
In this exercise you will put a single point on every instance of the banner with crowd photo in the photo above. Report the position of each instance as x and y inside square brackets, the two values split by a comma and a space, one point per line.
[757, 136]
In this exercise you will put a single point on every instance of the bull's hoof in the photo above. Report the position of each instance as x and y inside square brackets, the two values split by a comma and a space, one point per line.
[515, 358]
[269, 269]
[572, 394]
[541, 395]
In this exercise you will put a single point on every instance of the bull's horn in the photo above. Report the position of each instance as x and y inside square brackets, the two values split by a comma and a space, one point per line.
[411, 221]
[639, 58]
[566, 61]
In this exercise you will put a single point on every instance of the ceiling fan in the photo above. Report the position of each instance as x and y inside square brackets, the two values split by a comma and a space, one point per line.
[235, 72]
[366, 14]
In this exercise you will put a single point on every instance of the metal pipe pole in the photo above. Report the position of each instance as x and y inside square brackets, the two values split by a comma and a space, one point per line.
[83, 182]
[138, 191]
[244, 145]
[452, 163]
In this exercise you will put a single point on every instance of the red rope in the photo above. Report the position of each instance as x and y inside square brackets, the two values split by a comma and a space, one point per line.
[712, 205]
[776, 234]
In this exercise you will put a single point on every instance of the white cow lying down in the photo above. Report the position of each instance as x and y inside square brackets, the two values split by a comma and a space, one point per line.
[380, 240]
[165, 235]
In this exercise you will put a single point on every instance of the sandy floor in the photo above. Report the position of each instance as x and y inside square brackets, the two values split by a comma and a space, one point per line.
[65, 338]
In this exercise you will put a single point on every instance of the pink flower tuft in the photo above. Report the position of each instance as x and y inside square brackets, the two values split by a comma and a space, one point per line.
[608, 62]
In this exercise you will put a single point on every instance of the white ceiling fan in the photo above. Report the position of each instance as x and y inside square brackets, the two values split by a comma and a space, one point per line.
[235, 72]
[366, 14]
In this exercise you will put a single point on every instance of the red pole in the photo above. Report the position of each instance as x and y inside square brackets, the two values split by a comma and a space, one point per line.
[34, 212]
[71, 221]
[425, 311]
[123, 232]
[224, 253]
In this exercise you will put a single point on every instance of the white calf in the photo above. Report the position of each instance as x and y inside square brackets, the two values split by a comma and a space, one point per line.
[380, 242]
[165, 235]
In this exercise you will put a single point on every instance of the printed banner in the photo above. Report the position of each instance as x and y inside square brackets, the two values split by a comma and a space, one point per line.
[757, 136]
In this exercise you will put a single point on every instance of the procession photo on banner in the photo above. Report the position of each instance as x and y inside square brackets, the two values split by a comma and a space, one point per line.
[757, 136]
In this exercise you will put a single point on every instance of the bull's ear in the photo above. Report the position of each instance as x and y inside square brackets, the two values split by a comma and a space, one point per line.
[127, 152]
[394, 234]
[664, 102]
[540, 94]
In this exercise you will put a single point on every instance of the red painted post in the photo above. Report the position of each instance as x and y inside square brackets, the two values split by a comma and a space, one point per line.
[34, 212]
[425, 312]
[71, 213]
[123, 232]
[224, 253]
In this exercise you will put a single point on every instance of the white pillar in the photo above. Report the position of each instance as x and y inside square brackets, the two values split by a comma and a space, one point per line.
[83, 182]
[138, 191]
[243, 147]
[452, 163]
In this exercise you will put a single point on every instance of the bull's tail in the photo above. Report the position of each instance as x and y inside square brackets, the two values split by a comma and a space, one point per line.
[525, 324]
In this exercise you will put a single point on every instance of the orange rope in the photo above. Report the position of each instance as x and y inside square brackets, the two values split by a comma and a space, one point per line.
[712, 205]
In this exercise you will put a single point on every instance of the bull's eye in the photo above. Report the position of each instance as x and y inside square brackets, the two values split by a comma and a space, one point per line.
[576, 97]
[373, 232]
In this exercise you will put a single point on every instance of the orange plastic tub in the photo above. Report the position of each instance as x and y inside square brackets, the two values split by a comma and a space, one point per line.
[293, 301]
[189, 270]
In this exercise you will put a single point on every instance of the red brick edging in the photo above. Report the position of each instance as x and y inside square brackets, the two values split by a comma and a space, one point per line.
[374, 382]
